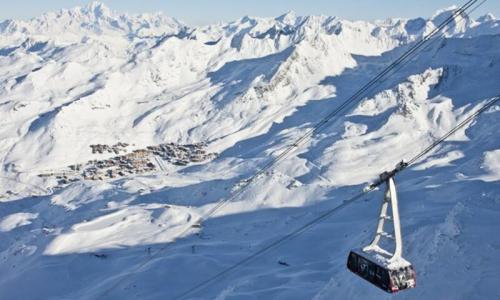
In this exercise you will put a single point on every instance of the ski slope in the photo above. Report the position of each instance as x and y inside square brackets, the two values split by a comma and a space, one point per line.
[246, 90]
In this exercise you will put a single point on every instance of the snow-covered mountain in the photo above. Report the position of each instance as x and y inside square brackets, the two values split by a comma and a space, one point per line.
[117, 130]
[71, 25]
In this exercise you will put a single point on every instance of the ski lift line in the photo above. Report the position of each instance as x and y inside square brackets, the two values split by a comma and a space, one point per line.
[401, 167]
[311, 131]
[321, 124]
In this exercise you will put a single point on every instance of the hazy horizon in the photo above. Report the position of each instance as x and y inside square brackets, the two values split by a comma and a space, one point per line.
[206, 12]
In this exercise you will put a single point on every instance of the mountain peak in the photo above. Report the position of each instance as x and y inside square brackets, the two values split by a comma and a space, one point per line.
[99, 9]
[486, 18]
[442, 14]
[456, 25]
[288, 18]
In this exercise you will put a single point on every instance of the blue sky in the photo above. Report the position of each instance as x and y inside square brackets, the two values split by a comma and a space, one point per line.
[198, 12]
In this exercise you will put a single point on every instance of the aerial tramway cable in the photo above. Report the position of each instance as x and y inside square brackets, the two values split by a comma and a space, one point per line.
[401, 167]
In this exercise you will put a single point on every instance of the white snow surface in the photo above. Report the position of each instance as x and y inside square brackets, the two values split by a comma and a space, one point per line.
[492, 165]
[16, 220]
[247, 89]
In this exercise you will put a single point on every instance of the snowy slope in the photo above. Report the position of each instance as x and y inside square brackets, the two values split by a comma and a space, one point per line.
[244, 90]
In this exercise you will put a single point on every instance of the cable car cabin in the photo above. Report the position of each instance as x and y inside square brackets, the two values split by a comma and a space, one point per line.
[389, 271]
[389, 278]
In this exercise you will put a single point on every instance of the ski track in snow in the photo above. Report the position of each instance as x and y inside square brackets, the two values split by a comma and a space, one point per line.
[249, 89]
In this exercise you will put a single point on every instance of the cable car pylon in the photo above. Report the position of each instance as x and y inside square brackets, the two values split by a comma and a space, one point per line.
[387, 270]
